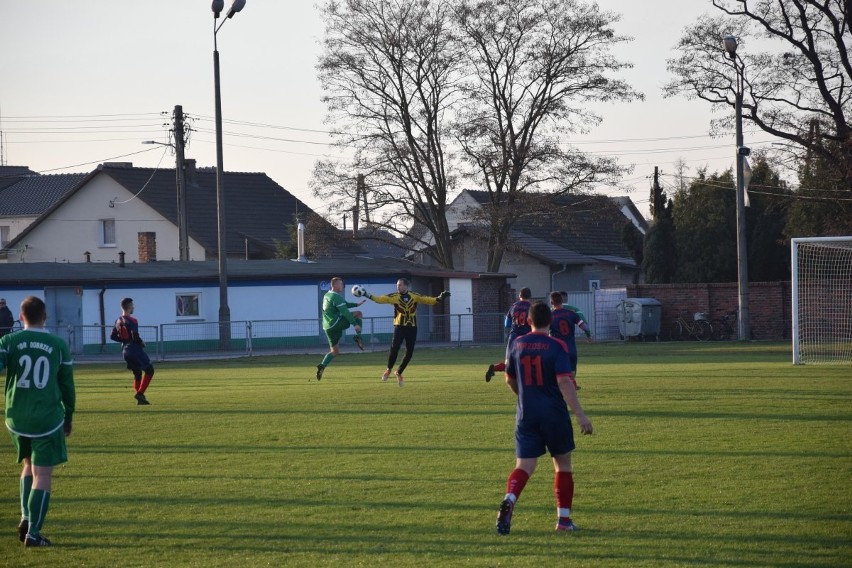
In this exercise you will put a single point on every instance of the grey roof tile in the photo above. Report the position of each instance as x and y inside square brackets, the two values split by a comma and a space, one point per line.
[33, 195]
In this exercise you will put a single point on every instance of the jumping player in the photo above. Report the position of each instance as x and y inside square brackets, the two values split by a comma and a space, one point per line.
[404, 323]
[40, 399]
[517, 324]
[562, 327]
[336, 318]
[126, 330]
[538, 372]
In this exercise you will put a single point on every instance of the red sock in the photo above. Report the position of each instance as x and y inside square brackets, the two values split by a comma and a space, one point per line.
[136, 385]
[146, 380]
[516, 482]
[563, 488]
[499, 367]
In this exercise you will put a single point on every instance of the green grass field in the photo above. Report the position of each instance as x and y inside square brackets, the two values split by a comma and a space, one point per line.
[703, 455]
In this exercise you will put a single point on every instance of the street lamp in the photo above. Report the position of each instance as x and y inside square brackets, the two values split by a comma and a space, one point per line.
[729, 42]
[224, 310]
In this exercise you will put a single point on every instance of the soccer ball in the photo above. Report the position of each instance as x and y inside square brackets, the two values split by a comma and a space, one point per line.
[358, 290]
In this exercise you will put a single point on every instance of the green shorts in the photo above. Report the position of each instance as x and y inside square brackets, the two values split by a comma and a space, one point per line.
[45, 451]
[335, 333]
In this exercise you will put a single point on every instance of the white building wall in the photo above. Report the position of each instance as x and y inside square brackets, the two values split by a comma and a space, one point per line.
[16, 226]
[74, 228]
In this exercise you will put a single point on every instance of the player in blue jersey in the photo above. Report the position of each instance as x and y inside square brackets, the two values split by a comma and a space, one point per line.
[40, 401]
[562, 327]
[517, 324]
[538, 372]
[126, 330]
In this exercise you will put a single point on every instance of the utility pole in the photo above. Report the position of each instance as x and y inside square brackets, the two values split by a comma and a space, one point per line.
[180, 175]
[658, 201]
[361, 191]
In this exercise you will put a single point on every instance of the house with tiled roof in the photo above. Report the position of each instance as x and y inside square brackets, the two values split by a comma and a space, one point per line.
[576, 245]
[123, 211]
[25, 196]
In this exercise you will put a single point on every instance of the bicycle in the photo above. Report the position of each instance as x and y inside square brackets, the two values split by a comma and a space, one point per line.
[698, 328]
[725, 327]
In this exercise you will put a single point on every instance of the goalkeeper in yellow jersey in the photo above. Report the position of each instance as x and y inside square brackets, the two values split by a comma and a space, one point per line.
[404, 323]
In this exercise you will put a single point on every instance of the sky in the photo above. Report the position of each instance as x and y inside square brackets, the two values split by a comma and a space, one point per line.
[87, 82]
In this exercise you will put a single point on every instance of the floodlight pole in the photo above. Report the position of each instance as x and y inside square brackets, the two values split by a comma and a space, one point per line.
[224, 310]
[743, 326]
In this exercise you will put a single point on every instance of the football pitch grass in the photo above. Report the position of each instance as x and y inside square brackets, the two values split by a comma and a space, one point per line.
[703, 455]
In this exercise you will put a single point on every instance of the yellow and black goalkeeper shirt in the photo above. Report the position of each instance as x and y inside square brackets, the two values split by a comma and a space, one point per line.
[405, 306]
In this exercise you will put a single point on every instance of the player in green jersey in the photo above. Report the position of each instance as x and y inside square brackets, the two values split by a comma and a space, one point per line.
[39, 406]
[336, 318]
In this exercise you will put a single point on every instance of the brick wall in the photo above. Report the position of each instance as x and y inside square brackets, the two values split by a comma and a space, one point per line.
[769, 304]
[490, 296]
[147, 246]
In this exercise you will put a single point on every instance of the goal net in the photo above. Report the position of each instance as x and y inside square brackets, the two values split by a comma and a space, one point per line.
[822, 300]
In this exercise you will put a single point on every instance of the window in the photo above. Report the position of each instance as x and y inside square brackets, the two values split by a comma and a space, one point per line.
[4, 235]
[107, 230]
[186, 305]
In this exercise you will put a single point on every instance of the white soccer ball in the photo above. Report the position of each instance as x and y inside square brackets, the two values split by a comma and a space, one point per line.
[358, 290]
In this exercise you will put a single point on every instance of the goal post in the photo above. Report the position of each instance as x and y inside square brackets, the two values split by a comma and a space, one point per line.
[822, 299]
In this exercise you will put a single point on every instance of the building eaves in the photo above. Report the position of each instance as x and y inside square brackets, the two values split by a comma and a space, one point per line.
[42, 274]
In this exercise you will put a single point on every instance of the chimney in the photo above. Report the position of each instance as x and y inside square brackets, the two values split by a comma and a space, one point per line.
[121, 259]
[355, 222]
[300, 229]
[147, 247]
[189, 169]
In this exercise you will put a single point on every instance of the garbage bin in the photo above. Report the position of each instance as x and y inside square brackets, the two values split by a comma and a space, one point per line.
[639, 317]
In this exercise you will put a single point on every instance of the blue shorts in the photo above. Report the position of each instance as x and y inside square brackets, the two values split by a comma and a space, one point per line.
[553, 432]
[136, 359]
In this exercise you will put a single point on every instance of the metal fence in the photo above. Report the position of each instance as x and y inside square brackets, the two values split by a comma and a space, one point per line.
[246, 338]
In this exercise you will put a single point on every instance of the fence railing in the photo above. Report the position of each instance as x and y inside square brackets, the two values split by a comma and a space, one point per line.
[249, 337]
[270, 336]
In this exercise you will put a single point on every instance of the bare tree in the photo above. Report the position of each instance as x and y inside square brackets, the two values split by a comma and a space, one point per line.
[535, 64]
[390, 73]
[805, 77]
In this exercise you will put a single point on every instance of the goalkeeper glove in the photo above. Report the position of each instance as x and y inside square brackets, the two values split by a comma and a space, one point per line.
[444, 294]
[367, 294]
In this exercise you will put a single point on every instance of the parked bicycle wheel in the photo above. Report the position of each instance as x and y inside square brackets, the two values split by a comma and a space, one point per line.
[721, 330]
[703, 330]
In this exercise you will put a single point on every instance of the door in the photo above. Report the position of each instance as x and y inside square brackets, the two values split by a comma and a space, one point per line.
[461, 309]
[65, 314]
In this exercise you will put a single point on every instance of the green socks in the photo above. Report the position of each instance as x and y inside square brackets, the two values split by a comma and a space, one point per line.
[39, 500]
[26, 488]
[326, 361]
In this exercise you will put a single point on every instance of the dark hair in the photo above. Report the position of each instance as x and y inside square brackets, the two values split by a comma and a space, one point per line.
[540, 315]
[126, 302]
[33, 310]
[525, 293]
[556, 298]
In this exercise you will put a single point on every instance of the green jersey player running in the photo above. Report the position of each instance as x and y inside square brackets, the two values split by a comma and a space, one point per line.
[39, 406]
[336, 318]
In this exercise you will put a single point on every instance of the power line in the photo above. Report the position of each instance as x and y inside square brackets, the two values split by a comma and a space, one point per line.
[96, 161]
